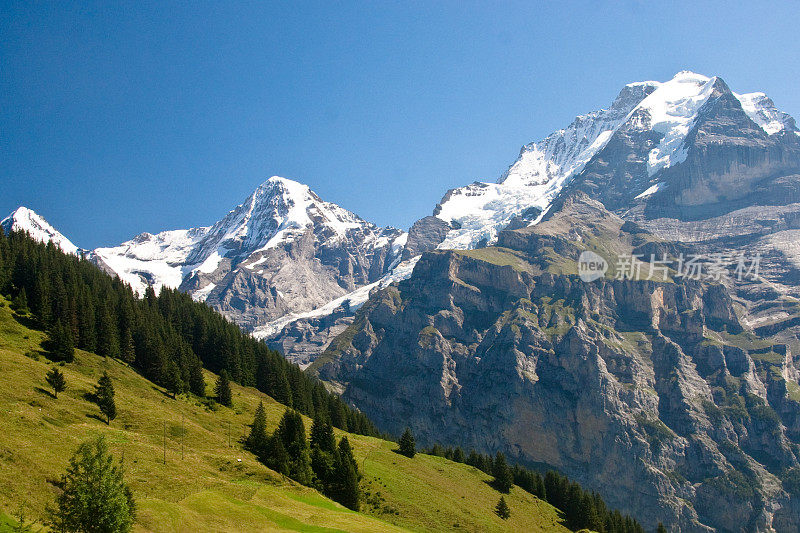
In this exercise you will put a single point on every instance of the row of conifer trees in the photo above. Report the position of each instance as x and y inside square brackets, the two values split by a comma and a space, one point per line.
[316, 462]
[167, 337]
[582, 509]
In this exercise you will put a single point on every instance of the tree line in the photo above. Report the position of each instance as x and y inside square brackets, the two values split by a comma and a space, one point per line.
[317, 462]
[167, 337]
[582, 509]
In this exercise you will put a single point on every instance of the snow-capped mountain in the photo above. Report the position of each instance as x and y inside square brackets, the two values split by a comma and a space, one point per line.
[282, 250]
[666, 112]
[24, 219]
[285, 259]
[634, 147]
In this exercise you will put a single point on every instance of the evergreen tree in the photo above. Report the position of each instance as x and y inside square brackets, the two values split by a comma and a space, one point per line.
[323, 464]
[408, 446]
[257, 441]
[172, 378]
[503, 478]
[20, 302]
[276, 456]
[502, 509]
[347, 491]
[55, 378]
[223, 389]
[197, 382]
[107, 336]
[279, 386]
[104, 397]
[322, 435]
[127, 346]
[94, 497]
[661, 528]
[458, 455]
[292, 433]
[62, 347]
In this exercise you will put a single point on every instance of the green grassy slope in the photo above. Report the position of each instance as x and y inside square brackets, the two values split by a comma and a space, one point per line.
[213, 485]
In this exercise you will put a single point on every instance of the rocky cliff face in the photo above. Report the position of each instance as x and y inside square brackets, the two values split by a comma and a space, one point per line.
[655, 393]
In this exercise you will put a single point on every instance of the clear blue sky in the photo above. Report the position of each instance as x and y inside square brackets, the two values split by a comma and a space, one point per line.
[149, 116]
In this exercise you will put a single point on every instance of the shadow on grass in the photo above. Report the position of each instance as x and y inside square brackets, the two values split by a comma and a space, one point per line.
[46, 392]
[26, 320]
[96, 417]
[398, 452]
[163, 392]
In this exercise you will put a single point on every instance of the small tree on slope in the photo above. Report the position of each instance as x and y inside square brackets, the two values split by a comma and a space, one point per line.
[55, 378]
[95, 497]
[104, 397]
[502, 509]
[408, 446]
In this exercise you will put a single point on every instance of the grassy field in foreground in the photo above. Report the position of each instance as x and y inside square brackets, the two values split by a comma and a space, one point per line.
[208, 483]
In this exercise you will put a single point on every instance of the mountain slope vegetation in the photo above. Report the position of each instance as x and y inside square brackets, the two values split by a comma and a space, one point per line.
[185, 461]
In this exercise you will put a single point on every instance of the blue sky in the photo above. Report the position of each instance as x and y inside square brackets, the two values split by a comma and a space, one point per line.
[149, 116]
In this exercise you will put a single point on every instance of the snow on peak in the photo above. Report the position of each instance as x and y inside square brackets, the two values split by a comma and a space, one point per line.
[279, 210]
[671, 110]
[24, 219]
[761, 110]
[543, 168]
[480, 210]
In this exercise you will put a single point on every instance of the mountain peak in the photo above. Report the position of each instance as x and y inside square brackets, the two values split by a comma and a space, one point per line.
[24, 219]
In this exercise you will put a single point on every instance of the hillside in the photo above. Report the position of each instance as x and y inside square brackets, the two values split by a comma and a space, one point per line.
[206, 487]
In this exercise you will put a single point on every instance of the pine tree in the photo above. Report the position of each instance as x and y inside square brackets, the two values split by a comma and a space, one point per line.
[276, 456]
[292, 433]
[257, 441]
[172, 378]
[197, 382]
[279, 386]
[502, 509]
[107, 337]
[55, 378]
[94, 497]
[104, 397]
[20, 302]
[323, 464]
[347, 491]
[322, 435]
[62, 347]
[458, 455]
[503, 478]
[408, 446]
[127, 346]
[661, 528]
[223, 389]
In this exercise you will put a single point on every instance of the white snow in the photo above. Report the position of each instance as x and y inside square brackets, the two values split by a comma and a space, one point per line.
[24, 219]
[672, 110]
[158, 260]
[650, 191]
[761, 110]
[356, 299]
[544, 168]
[200, 295]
